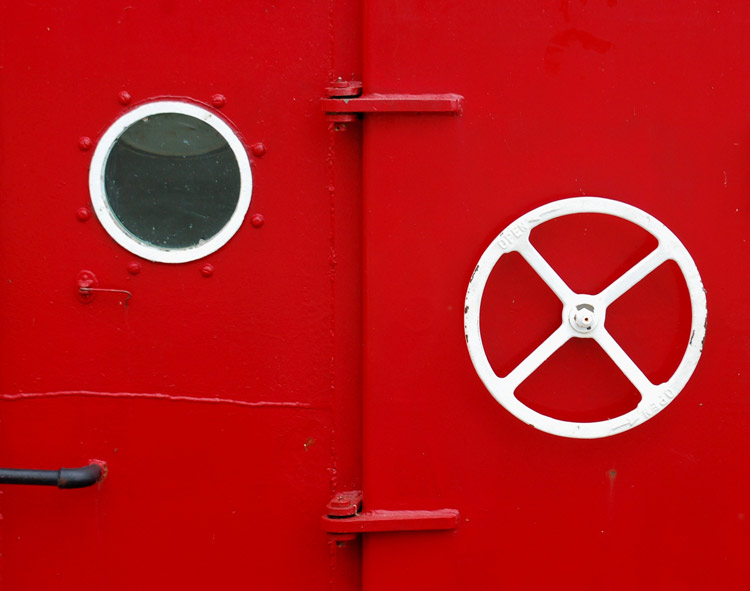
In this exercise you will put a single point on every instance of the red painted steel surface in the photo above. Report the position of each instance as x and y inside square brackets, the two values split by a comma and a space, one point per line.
[212, 395]
[225, 397]
[642, 102]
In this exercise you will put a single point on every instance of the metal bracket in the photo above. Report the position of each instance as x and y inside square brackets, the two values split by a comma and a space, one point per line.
[87, 284]
[345, 516]
[345, 101]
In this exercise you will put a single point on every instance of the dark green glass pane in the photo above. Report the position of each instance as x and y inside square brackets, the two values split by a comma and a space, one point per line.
[172, 180]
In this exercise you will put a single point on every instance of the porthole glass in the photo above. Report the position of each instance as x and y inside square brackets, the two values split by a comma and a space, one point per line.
[170, 181]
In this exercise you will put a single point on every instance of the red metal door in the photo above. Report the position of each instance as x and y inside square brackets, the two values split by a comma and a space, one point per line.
[639, 102]
[223, 391]
[209, 387]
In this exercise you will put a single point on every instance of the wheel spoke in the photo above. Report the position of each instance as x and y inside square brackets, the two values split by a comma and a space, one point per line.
[633, 275]
[545, 271]
[543, 352]
[624, 362]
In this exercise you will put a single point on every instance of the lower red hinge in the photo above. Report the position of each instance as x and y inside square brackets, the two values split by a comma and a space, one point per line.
[345, 517]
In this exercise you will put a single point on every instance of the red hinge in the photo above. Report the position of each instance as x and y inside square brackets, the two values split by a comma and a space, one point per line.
[345, 101]
[346, 517]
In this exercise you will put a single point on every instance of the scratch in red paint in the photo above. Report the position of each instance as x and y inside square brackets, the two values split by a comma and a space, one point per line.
[155, 396]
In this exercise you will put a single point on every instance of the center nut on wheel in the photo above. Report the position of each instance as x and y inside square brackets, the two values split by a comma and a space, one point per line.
[583, 318]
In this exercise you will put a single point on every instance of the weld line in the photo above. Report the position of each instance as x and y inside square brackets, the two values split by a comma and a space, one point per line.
[155, 396]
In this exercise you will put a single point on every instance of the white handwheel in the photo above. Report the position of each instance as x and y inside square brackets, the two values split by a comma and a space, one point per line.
[583, 317]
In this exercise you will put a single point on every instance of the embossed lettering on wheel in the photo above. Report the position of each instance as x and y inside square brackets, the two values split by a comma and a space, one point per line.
[584, 317]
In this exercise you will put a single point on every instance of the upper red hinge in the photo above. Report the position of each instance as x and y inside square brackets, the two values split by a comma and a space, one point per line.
[345, 101]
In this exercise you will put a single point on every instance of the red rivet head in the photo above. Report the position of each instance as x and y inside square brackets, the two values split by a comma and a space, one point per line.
[83, 214]
[257, 220]
[134, 267]
[124, 97]
[218, 100]
[207, 270]
[85, 143]
[259, 149]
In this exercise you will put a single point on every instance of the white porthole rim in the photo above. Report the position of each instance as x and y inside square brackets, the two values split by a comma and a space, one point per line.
[645, 408]
[107, 217]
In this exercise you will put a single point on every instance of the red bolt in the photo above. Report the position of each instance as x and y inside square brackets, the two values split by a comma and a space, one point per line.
[134, 267]
[257, 220]
[83, 214]
[124, 97]
[85, 143]
[259, 149]
[218, 100]
[86, 280]
[207, 270]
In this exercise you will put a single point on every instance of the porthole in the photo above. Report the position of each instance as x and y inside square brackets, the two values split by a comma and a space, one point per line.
[170, 181]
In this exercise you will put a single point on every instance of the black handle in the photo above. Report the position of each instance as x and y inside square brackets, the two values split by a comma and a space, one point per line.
[62, 478]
